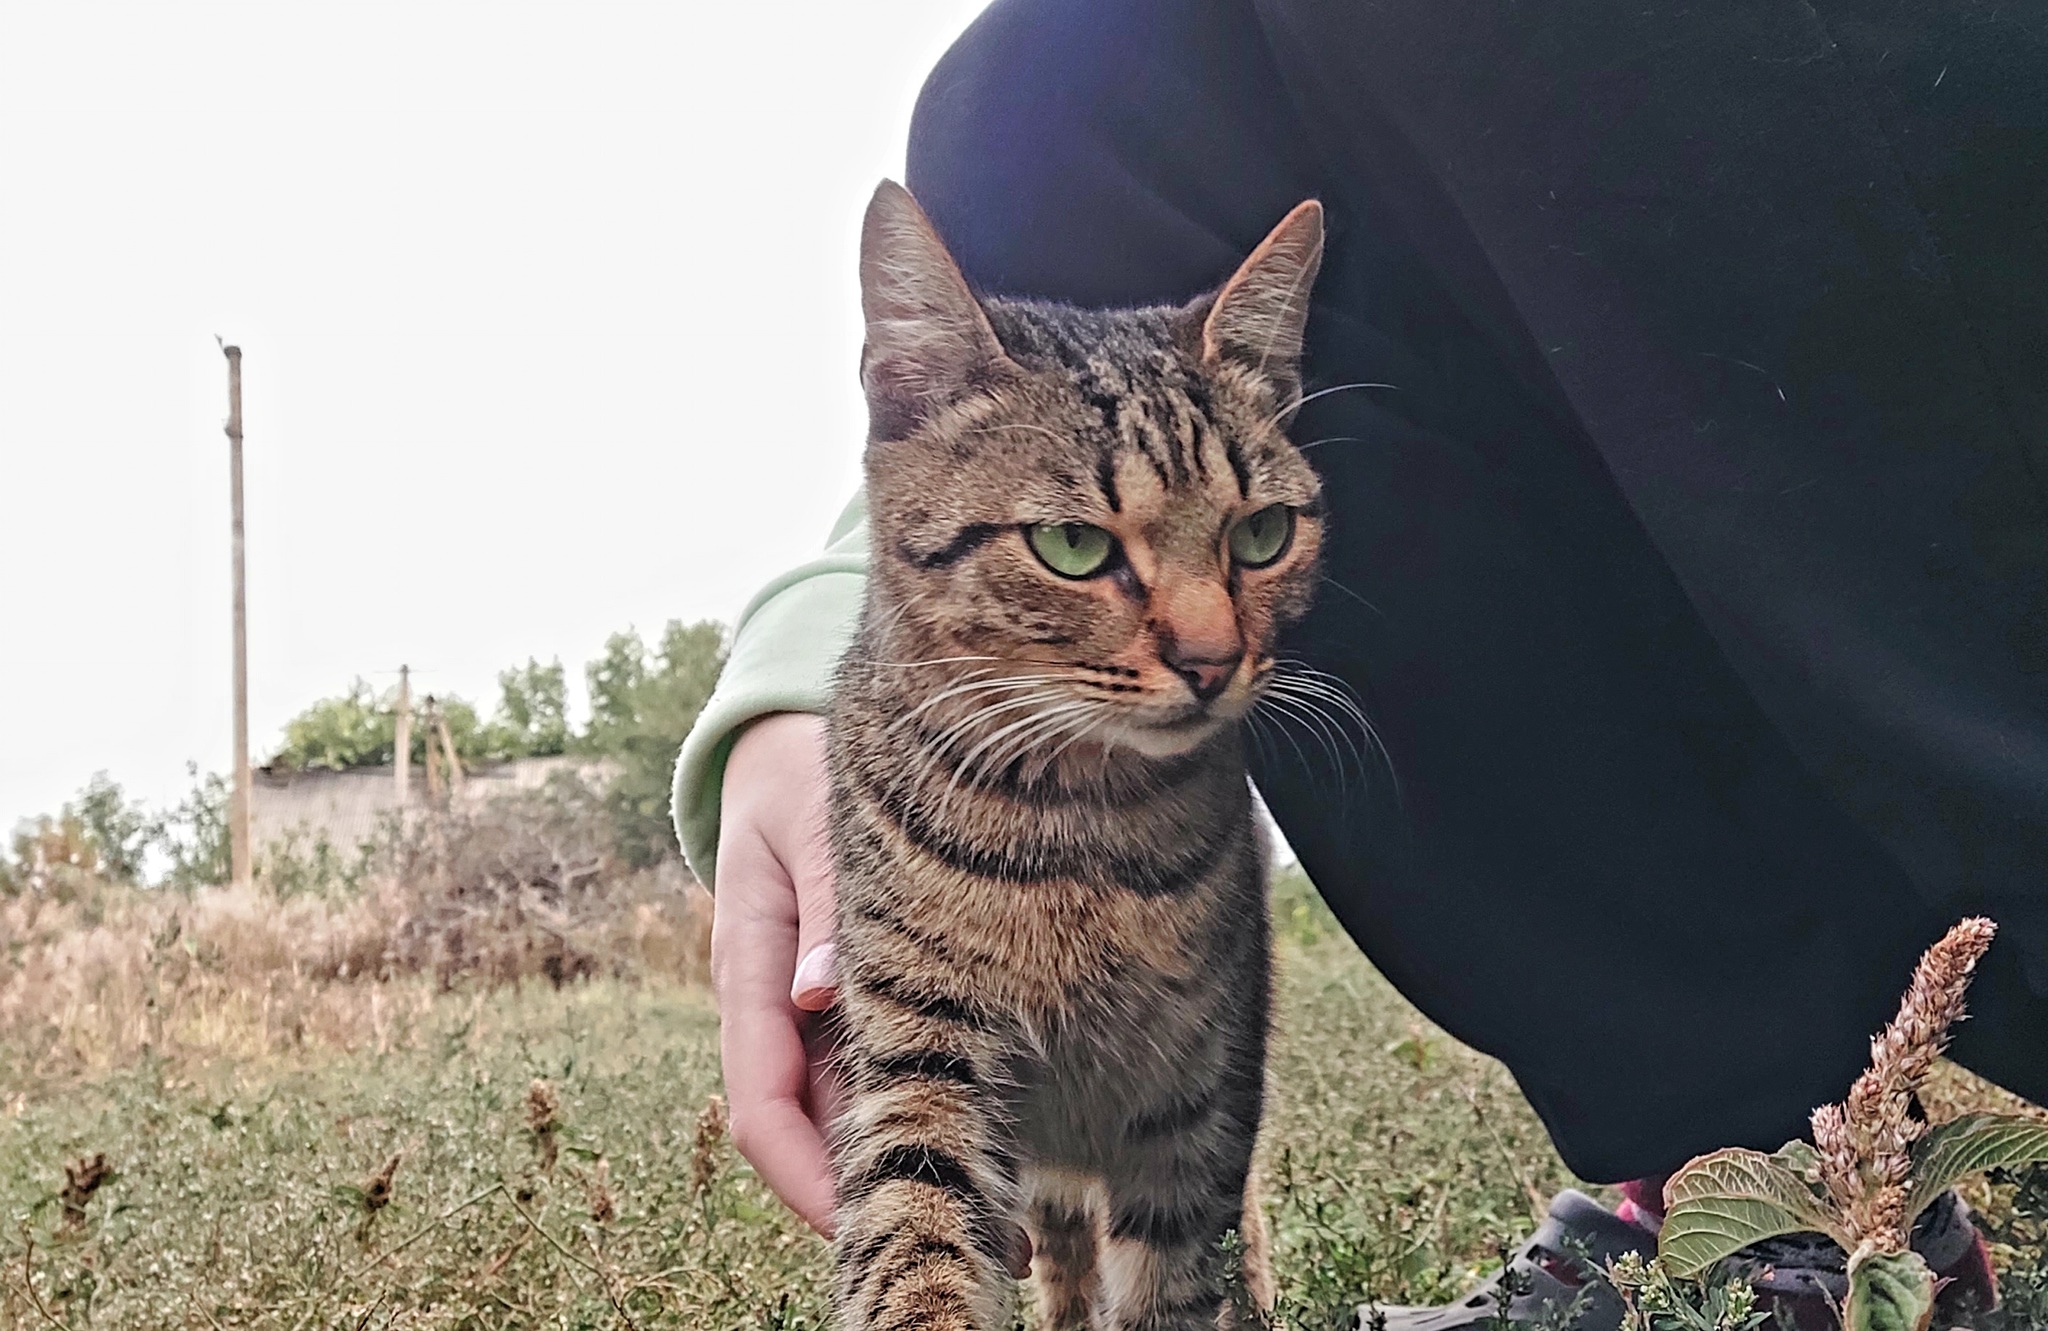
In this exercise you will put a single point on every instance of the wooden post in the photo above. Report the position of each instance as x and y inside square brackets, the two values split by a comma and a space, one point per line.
[238, 810]
[448, 750]
[401, 759]
[429, 716]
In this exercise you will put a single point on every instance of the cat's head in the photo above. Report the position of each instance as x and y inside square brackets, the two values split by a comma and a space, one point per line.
[1100, 505]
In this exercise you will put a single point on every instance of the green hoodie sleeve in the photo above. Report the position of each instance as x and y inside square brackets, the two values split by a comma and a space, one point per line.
[784, 648]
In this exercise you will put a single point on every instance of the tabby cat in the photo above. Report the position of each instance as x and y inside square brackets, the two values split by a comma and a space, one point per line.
[1086, 528]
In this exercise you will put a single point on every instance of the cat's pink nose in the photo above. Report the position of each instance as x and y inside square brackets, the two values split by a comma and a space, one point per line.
[1204, 678]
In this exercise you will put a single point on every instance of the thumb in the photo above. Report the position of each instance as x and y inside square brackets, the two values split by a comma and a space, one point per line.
[779, 768]
[816, 986]
[816, 983]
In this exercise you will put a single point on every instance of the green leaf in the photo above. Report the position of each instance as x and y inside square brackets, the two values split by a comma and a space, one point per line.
[1971, 1145]
[1728, 1200]
[1889, 1291]
[1801, 1158]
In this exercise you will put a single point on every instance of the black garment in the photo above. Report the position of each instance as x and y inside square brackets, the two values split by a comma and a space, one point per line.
[1694, 568]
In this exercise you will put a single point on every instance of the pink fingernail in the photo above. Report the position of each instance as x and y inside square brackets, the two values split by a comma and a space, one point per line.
[816, 986]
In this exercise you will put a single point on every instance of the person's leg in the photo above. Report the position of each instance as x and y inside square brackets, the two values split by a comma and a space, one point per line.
[1724, 670]
[1585, 846]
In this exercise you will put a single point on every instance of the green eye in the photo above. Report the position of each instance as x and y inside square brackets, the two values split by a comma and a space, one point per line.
[1071, 549]
[1261, 538]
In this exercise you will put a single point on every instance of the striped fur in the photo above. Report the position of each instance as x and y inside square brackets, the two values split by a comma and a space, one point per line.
[1053, 935]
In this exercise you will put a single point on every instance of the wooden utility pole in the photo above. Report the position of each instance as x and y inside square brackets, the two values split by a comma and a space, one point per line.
[238, 810]
[401, 759]
[448, 751]
[429, 716]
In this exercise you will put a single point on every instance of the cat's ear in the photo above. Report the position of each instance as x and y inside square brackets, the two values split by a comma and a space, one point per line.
[1259, 317]
[927, 339]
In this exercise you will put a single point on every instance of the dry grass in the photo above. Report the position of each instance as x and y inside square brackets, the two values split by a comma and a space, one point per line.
[276, 1140]
[538, 1156]
[98, 983]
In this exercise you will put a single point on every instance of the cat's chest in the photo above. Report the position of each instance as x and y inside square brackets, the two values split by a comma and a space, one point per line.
[1054, 950]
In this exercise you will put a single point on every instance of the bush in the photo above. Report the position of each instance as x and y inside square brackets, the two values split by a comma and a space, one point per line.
[360, 729]
[97, 838]
[533, 710]
[531, 885]
[193, 837]
[528, 887]
[642, 704]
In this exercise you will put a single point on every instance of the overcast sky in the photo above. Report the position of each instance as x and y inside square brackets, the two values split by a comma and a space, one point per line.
[549, 320]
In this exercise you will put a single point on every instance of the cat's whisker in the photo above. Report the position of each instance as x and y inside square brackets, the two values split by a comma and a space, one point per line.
[973, 685]
[941, 750]
[1301, 401]
[1087, 718]
[964, 775]
[944, 741]
[1102, 714]
[1353, 595]
[1053, 435]
[1312, 720]
[1338, 693]
[1288, 697]
[1300, 755]
[1081, 721]
[1255, 725]
[933, 661]
[1320, 701]
[995, 685]
[1013, 751]
[1327, 688]
[1060, 705]
[968, 765]
[1303, 681]
[1049, 724]
[976, 681]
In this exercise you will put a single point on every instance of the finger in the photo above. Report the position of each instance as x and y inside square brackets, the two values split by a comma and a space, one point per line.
[767, 1085]
[767, 1070]
[778, 783]
[801, 836]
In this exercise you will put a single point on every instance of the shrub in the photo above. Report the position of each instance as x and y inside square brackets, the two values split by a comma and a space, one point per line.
[97, 837]
[533, 710]
[193, 837]
[642, 704]
[529, 885]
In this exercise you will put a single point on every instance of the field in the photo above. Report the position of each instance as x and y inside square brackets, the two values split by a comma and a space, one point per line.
[532, 1156]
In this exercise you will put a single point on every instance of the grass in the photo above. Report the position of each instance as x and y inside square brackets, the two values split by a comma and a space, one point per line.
[403, 1181]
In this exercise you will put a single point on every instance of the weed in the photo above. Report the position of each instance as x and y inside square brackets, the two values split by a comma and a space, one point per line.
[2014, 1218]
[711, 1125]
[604, 1205]
[1658, 1301]
[377, 1192]
[1874, 1166]
[82, 1178]
[544, 1122]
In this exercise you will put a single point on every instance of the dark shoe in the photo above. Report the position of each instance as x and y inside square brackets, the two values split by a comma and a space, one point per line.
[1548, 1275]
[1806, 1276]
[1801, 1274]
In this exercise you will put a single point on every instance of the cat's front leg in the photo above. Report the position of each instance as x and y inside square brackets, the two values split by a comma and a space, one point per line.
[927, 1171]
[1177, 1195]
